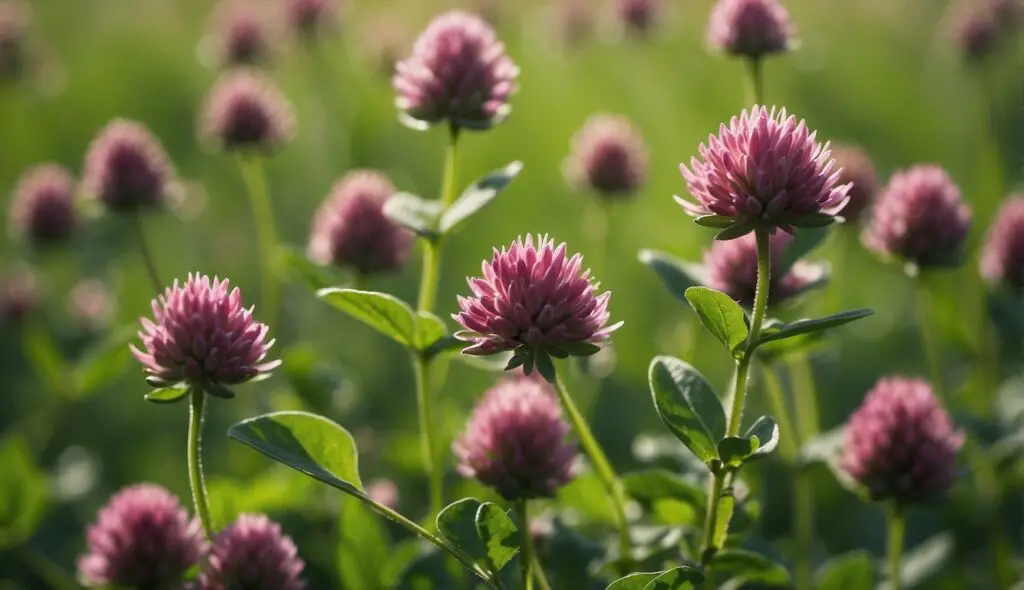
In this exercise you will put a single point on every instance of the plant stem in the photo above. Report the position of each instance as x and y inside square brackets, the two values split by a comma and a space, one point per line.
[740, 382]
[897, 528]
[603, 469]
[147, 255]
[422, 370]
[931, 345]
[266, 238]
[526, 549]
[432, 249]
[776, 399]
[197, 414]
[756, 80]
[803, 522]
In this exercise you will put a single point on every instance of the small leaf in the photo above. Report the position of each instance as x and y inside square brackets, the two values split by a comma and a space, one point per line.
[414, 213]
[766, 431]
[218, 389]
[23, 492]
[721, 316]
[735, 450]
[850, 570]
[800, 327]
[680, 578]
[677, 275]
[736, 230]
[294, 262]
[716, 221]
[498, 534]
[104, 363]
[429, 329]
[383, 312]
[168, 395]
[479, 194]
[746, 567]
[822, 448]
[481, 531]
[816, 220]
[635, 581]
[545, 366]
[580, 348]
[687, 405]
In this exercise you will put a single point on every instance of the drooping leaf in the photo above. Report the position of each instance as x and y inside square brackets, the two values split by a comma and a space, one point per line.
[716, 221]
[687, 405]
[767, 433]
[721, 316]
[742, 567]
[800, 327]
[481, 531]
[170, 394]
[294, 262]
[23, 492]
[385, 313]
[362, 547]
[414, 213]
[498, 533]
[104, 362]
[478, 195]
[850, 570]
[735, 450]
[677, 275]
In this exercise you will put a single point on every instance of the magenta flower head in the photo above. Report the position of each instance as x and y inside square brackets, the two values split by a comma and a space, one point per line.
[637, 15]
[458, 71]
[351, 230]
[608, 156]
[252, 554]
[731, 268]
[201, 334]
[126, 169]
[764, 169]
[900, 443]
[920, 218]
[750, 28]
[1002, 260]
[246, 111]
[856, 170]
[43, 207]
[242, 33]
[979, 27]
[308, 18]
[19, 296]
[143, 538]
[535, 300]
[517, 441]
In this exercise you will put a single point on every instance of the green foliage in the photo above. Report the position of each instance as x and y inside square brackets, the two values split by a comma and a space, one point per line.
[688, 406]
[483, 533]
[477, 196]
[415, 213]
[801, 327]
[721, 316]
[24, 493]
[383, 312]
[737, 567]
[851, 570]
[103, 363]
[679, 578]
[170, 394]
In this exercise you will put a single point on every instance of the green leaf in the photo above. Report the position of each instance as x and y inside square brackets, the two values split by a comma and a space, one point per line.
[170, 394]
[735, 450]
[779, 350]
[417, 214]
[429, 329]
[479, 194]
[736, 230]
[721, 316]
[746, 567]
[498, 533]
[687, 405]
[926, 560]
[385, 313]
[363, 547]
[766, 432]
[716, 221]
[23, 492]
[486, 536]
[103, 363]
[816, 220]
[677, 275]
[680, 578]
[850, 570]
[294, 262]
[800, 327]
[635, 581]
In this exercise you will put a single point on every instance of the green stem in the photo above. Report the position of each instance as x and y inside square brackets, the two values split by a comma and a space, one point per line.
[526, 554]
[806, 399]
[776, 399]
[740, 382]
[422, 370]
[538, 571]
[432, 249]
[931, 345]
[897, 529]
[147, 255]
[756, 80]
[195, 464]
[803, 522]
[266, 238]
[605, 474]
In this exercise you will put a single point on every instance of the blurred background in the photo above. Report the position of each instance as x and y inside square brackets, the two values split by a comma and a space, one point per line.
[890, 77]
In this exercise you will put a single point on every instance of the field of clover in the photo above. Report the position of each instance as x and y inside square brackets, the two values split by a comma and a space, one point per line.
[565, 295]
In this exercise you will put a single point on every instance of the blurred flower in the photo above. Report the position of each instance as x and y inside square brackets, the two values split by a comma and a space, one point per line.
[608, 156]
[143, 538]
[242, 33]
[384, 492]
[458, 71]
[252, 554]
[310, 17]
[900, 443]
[750, 28]
[126, 168]
[855, 169]
[246, 111]
[91, 304]
[980, 26]
[384, 42]
[516, 441]
[574, 21]
[764, 169]
[19, 295]
[637, 15]
[43, 207]
[732, 269]
[533, 298]
[202, 333]
[351, 230]
[1002, 259]
[919, 217]
[14, 24]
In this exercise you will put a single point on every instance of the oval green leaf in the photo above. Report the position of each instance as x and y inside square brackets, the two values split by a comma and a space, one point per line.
[499, 534]
[677, 275]
[168, 395]
[687, 405]
[741, 567]
[735, 450]
[721, 316]
[680, 578]
[383, 312]
[414, 213]
[429, 329]
[477, 196]
[800, 327]
[766, 432]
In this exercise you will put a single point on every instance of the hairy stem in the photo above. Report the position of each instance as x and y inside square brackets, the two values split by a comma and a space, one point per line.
[929, 338]
[195, 463]
[423, 406]
[897, 528]
[526, 546]
[756, 80]
[147, 254]
[432, 249]
[266, 236]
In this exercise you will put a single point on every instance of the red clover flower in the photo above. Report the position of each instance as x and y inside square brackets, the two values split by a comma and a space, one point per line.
[252, 554]
[1002, 259]
[126, 169]
[608, 156]
[750, 28]
[516, 441]
[732, 269]
[637, 15]
[242, 33]
[246, 111]
[19, 296]
[856, 170]
[308, 17]
[43, 207]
